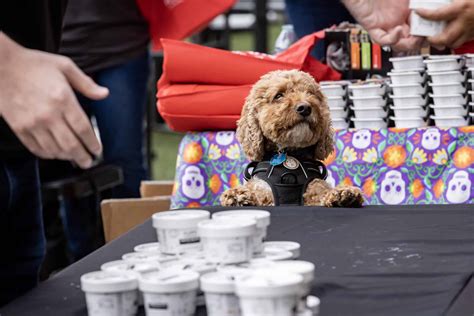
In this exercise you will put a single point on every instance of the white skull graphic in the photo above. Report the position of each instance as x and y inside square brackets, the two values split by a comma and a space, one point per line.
[330, 180]
[361, 139]
[192, 183]
[392, 190]
[459, 188]
[225, 138]
[431, 139]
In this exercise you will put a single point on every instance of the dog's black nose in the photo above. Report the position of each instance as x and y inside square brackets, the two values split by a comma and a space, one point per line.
[303, 109]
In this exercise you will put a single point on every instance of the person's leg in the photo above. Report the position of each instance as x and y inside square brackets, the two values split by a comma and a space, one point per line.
[120, 120]
[21, 227]
[308, 16]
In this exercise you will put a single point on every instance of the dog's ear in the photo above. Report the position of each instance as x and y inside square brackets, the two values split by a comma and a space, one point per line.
[325, 145]
[249, 133]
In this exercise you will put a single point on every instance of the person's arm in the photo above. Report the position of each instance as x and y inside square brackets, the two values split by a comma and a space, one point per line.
[38, 103]
[387, 22]
[460, 27]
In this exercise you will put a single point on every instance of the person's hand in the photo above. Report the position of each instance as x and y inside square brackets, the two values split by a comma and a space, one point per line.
[39, 105]
[460, 23]
[386, 21]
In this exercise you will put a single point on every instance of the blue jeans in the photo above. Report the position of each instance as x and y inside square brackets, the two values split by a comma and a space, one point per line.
[22, 241]
[120, 120]
[309, 16]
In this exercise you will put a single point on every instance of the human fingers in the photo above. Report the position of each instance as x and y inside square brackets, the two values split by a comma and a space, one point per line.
[80, 81]
[383, 37]
[445, 13]
[451, 34]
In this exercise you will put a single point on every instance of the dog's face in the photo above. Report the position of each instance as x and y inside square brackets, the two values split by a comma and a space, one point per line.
[288, 110]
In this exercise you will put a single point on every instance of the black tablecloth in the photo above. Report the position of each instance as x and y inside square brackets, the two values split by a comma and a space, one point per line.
[412, 260]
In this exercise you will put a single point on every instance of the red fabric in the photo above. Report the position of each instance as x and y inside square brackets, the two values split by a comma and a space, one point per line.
[466, 48]
[178, 19]
[204, 88]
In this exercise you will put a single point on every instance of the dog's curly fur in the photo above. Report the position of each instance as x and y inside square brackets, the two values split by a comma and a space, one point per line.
[270, 122]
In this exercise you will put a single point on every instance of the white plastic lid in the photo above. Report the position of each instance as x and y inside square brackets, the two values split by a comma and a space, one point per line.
[367, 108]
[443, 73]
[227, 227]
[335, 108]
[303, 268]
[336, 97]
[371, 119]
[365, 86]
[450, 56]
[262, 217]
[169, 281]
[148, 247]
[233, 270]
[268, 284]
[456, 83]
[401, 71]
[438, 60]
[403, 108]
[393, 118]
[200, 266]
[405, 58]
[339, 82]
[403, 85]
[274, 254]
[257, 263]
[218, 282]
[405, 73]
[456, 95]
[434, 106]
[122, 265]
[179, 219]
[108, 282]
[416, 96]
[331, 86]
[147, 256]
[372, 97]
[447, 117]
[291, 246]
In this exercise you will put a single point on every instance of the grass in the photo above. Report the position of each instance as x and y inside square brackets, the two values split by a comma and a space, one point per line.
[166, 143]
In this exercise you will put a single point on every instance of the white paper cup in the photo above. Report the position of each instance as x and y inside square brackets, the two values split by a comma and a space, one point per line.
[469, 60]
[407, 63]
[449, 121]
[336, 101]
[119, 266]
[268, 294]
[408, 89]
[447, 88]
[368, 101]
[367, 90]
[369, 112]
[338, 112]
[340, 123]
[369, 123]
[274, 254]
[420, 70]
[408, 100]
[408, 122]
[177, 230]
[169, 292]
[291, 246]
[448, 99]
[219, 289]
[449, 110]
[409, 111]
[423, 27]
[303, 268]
[148, 247]
[333, 90]
[449, 64]
[447, 76]
[261, 217]
[110, 294]
[227, 241]
[407, 77]
[313, 303]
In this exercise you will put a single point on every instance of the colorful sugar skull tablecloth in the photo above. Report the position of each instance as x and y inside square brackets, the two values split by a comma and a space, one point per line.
[391, 166]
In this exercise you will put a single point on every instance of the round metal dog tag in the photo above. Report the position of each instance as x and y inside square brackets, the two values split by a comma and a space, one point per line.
[291, 163]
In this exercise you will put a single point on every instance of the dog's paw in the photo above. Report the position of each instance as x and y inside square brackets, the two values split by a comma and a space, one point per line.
[344, 197]
[239, 196]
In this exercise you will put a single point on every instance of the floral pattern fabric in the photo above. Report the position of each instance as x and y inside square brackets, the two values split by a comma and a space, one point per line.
[391, 166]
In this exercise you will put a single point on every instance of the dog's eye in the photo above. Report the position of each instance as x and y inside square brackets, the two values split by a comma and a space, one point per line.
[278, 96]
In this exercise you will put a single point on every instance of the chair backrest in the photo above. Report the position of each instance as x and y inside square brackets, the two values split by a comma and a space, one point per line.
[392, 166]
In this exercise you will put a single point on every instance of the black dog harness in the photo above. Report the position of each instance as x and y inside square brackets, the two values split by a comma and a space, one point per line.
[287, 176]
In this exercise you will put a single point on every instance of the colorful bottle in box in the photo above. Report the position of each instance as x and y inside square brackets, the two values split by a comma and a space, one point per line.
[355, 48]
[365, 50]
[376, 56]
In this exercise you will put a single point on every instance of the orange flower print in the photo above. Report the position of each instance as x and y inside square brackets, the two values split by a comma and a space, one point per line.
[329, 159]
[438, 188]
[467, 129]
[215, 183]
[347, 181]
[234, 181]
[394, 156]
[416, 188]
[398, 129]
[193, 205]
[463, 157]
[192, 153]
[369, 187]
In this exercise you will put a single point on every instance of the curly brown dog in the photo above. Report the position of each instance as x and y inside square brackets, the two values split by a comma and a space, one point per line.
[287, 112]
